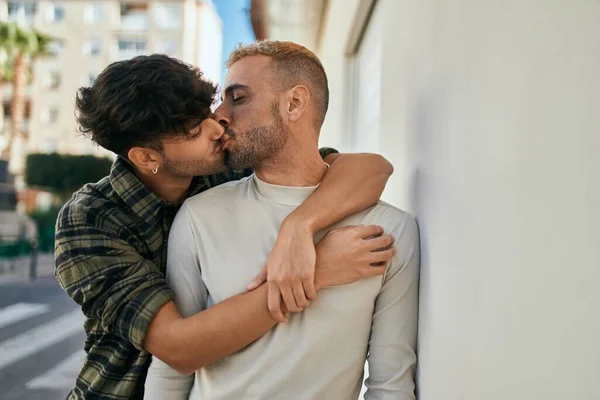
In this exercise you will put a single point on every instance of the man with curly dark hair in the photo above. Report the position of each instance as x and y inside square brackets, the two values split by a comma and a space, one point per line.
[154, 113]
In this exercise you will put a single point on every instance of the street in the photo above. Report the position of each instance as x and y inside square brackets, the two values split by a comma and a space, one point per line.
[41, 336]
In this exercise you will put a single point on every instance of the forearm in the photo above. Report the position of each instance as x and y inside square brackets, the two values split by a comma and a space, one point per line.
[187, 344]
[353, 183]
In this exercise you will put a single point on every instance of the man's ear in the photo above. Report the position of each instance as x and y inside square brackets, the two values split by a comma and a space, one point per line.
[145, 158]
[298, 98]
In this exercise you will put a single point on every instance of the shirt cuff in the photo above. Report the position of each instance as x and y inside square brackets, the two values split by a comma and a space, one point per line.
[149, 302]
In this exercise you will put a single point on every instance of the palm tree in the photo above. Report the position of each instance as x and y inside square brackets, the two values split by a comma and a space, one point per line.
[24, 46]
[6, 63]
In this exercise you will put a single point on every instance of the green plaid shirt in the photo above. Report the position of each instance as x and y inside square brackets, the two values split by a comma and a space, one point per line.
[111, 259]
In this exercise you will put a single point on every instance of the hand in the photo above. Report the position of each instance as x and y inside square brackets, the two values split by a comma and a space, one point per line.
[349, 254]
[290, 270]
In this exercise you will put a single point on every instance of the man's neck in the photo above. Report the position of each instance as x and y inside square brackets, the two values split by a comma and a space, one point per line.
[171, 189]
[295, 165]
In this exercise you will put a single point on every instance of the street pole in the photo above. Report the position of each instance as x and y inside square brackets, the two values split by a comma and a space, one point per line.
[34, 258]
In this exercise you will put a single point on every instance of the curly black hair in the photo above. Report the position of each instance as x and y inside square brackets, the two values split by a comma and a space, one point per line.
[140, 101]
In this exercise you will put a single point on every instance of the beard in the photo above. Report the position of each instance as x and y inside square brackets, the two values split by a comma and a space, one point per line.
[191, 168]
[186, 169]
[257, 145]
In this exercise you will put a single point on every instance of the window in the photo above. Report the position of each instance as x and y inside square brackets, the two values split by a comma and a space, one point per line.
[88, 80]
[93, 47]
[56, 13]
[93, 13]
[169, 47]
[55, 48]
[52, 80]
[168, 16]
[49, 115]
[21, 11]
[134, 17]
[133, 7]
[132, 45]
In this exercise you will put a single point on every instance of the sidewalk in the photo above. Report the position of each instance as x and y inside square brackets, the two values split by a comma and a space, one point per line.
[22, 267]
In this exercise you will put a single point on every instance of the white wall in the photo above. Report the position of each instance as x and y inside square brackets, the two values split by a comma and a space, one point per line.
[330, 50]
[490, 116]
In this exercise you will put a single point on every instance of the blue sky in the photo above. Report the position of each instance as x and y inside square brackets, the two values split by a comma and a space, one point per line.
[236, 26]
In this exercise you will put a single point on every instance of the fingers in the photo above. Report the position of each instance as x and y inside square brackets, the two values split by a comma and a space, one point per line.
[382, 257]
[259, 280]
[309, 289]
[380, 243]
[288, 297]
[274, 301]
[300, 296]
[369, 231]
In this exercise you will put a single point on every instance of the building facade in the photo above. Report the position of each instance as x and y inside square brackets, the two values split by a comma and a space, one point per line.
[488, 111]
[92, 35]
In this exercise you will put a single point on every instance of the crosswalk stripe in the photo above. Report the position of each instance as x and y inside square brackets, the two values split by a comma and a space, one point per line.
[41, 337]
[20, 311]
[60, 377]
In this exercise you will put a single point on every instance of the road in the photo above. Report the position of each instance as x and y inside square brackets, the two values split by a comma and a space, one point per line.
[41, 337]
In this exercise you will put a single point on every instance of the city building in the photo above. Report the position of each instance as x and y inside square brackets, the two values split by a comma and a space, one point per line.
[489, 112]
[93, 34]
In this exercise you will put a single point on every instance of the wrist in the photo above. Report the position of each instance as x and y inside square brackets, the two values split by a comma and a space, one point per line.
[319, 284]
[299, 223]
[321, 281]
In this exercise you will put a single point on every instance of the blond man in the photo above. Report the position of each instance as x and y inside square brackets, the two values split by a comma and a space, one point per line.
[274, 104]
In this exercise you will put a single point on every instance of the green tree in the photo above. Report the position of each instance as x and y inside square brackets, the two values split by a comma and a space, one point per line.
[7, 46]
[21, 46]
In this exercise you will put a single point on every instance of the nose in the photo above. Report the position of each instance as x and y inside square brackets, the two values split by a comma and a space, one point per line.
[219, 133]
[216, 130]
[221, 117]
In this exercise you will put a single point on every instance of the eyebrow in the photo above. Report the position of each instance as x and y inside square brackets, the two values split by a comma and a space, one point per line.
[232, 88]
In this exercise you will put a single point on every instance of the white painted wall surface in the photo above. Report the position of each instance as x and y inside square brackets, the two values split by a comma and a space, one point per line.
[338, 22]
[365, 74]
[490, 116]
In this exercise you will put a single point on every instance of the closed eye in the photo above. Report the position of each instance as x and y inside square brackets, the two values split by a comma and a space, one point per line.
[238, 99]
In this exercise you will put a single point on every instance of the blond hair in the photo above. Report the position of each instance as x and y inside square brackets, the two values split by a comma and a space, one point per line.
[293, 64]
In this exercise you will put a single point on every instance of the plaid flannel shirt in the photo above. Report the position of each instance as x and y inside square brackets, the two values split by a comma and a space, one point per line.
[110, 256]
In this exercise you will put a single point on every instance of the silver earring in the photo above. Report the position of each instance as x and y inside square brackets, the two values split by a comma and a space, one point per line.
[155, 170]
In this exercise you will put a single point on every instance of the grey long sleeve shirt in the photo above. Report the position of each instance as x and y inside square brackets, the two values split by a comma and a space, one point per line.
[220, 240]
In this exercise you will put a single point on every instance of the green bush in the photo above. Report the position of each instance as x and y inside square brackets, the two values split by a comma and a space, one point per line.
[46, 222]
[64, 174]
